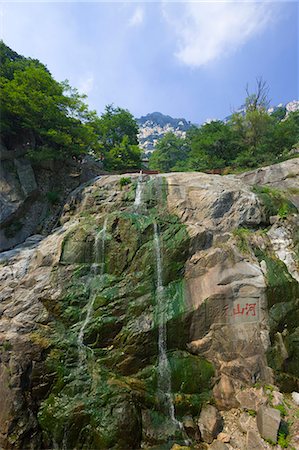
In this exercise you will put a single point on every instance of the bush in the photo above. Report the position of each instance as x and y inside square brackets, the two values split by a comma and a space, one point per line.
[53, 197]
[283, 435]
[124, 181]
[242, 235]
[274, 201]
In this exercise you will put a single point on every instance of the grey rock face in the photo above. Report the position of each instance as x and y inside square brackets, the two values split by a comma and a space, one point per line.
[26, 176]
[250, 399]
[210, 423]
[217, 445]
[246, 422]
[253, 441]
[212, 321]
[268, 421]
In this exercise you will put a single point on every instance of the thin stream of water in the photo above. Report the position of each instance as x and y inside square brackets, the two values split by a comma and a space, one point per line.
[99, 260]
[138, 196]
[164, 374]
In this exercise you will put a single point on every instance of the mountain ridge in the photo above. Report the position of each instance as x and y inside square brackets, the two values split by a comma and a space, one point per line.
[153, 126]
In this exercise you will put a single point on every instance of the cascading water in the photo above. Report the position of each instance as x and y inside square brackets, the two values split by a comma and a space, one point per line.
[138, 196]
[99, 261]
[164, 374]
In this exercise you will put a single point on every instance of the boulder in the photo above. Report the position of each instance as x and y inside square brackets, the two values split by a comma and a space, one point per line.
[251, 399]
[246, 422]
[224, 394]
[223, 437]
[26, 176]
[191, 428]
[210, 423]
[253, 441]
[215, 307]
[277, 398]
[218, 445]
[268, 421]
[295, 397]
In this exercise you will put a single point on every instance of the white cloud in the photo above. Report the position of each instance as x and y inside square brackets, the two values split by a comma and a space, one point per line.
[86, 84]
[137, 17]
[207, 31]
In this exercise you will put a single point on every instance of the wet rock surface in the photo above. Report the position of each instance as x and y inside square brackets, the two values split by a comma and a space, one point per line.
[231, 302]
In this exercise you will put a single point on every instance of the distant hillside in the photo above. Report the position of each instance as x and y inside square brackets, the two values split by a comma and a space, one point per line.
[283, 109]
[154, 126]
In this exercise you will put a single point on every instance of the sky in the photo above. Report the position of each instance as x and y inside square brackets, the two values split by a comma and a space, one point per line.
[186, 59]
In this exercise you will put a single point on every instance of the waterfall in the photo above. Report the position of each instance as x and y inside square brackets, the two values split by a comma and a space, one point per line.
[99, 260]
[138, 196]
[164, 374]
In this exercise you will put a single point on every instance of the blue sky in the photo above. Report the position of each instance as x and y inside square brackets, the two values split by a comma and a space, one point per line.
[186, 59]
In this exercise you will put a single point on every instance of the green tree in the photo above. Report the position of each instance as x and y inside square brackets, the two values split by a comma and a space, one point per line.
[213, 146]
[170, 154]
[123, 156]
[51, 119]
[117, 131]
[113, 125]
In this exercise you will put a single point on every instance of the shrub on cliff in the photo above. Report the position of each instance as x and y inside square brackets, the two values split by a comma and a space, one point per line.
[48, 118]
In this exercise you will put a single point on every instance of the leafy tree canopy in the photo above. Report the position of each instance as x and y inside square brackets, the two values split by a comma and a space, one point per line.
[51, 120]
[118, 144]
[48, 117]
[170, 154]
[247, 140]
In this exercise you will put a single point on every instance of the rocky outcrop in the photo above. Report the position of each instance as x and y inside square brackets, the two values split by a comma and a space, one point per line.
[32, 195]
[210, 423]
[229, 296]
[154, 126]
[268, 421]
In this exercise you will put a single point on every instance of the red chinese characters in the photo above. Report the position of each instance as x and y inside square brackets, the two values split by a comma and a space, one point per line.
[248, 310]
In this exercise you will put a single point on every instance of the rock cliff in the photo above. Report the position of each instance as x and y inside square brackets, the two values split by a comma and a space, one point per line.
[120, 325]
[32, 195]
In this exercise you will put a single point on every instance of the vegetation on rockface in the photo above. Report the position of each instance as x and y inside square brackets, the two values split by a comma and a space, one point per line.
[245, 140]
[110, 400]
[283, 300]
[51, 120]
[282, 289]
[275, 202]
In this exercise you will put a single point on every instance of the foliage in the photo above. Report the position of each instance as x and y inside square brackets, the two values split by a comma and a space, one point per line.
[274, 201]
[53, 197]
[212, 146]
[282, 409]
[283, 440]
[283, 435]
[170, 154]
[124, 181]
[251, 412]
[123, 156]
[50, 120]
[118, 144]
[39, 114]
[242, 235]
[248, 139]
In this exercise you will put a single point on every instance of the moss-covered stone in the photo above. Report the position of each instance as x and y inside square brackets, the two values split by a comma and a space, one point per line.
[275, 201]
[283, 301]
[190, 374]
[281, 286]
[97, 402]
